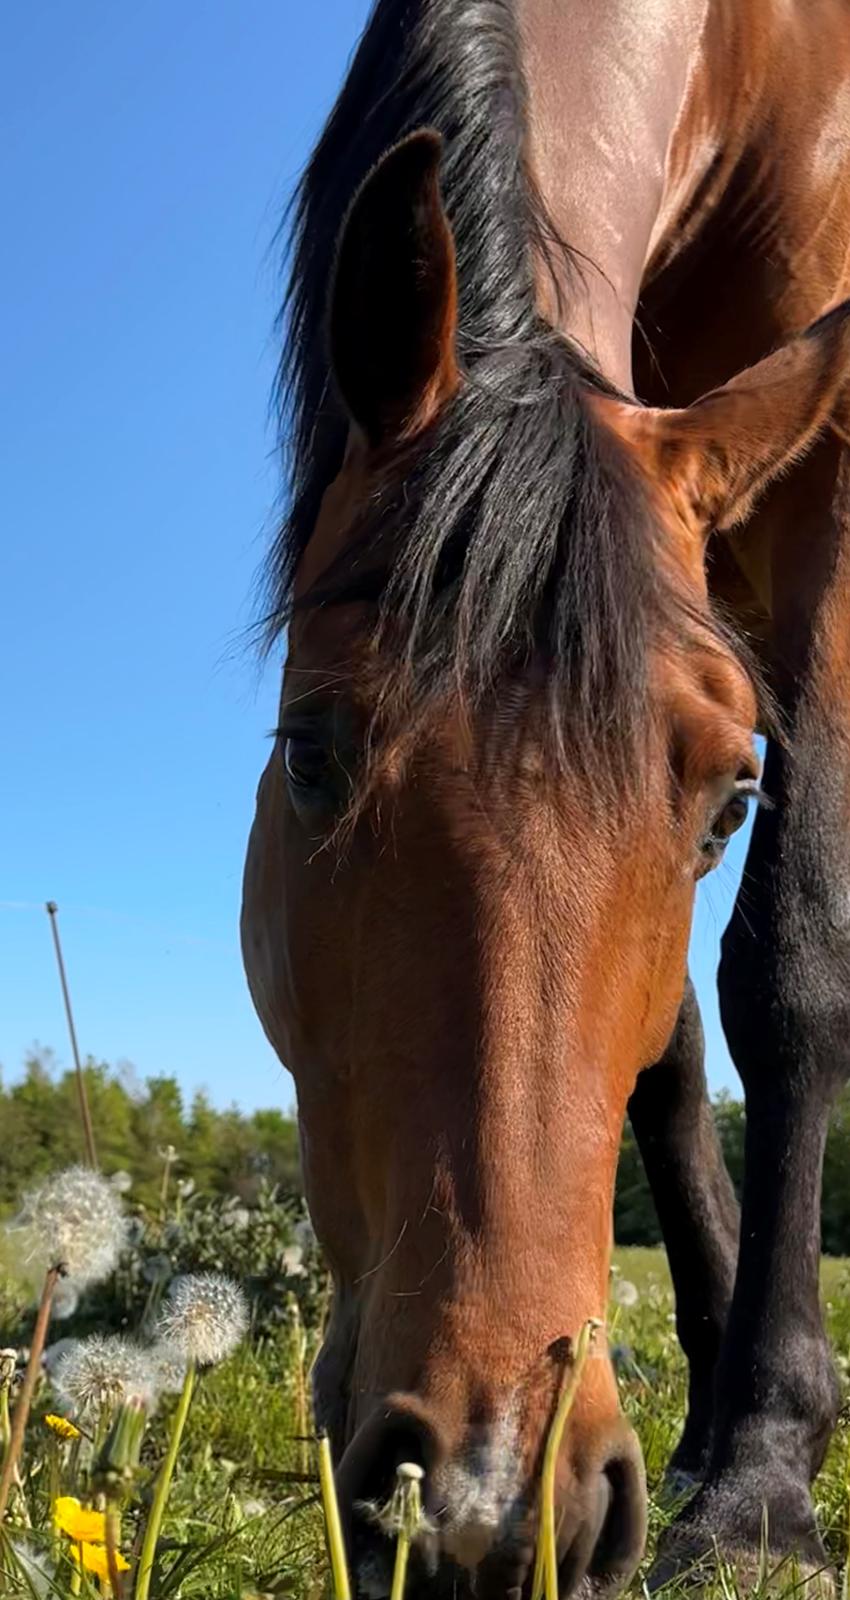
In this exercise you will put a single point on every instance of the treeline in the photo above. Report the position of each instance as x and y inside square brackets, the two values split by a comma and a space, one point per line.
[138, 1123]
[139, 1128]
[635, 1221]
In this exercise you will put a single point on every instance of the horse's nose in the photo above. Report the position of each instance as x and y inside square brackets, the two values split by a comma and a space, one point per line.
[395, 1433]
[480, 1525]
[368, 1473]
[603, 1524]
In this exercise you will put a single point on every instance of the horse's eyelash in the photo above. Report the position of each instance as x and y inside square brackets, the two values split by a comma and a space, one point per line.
[752, 790]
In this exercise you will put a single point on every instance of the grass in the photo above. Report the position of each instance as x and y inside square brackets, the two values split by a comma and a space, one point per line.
[652, 1381]
[245, 1412]
[241, 1522]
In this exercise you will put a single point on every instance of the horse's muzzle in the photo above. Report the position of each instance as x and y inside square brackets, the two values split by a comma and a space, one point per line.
[480, 1530]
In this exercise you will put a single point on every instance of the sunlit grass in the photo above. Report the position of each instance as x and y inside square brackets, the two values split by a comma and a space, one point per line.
[243, 1517]
[652, 1377]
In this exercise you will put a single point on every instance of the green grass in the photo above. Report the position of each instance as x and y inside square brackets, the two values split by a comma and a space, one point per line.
[653, 1381]
[239, 1445]
[239, 1523]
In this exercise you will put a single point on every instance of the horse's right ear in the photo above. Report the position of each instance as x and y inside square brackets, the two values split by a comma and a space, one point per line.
[393, 312]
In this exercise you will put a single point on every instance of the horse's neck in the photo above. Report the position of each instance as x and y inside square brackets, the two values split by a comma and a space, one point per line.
[608, 81]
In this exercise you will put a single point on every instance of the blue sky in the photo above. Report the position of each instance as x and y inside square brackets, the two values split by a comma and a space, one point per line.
[148, 150]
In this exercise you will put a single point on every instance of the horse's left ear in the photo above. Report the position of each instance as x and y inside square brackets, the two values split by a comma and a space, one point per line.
[721, 452]
[393, 311]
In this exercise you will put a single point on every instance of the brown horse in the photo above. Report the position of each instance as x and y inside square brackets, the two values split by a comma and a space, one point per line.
[515, 732]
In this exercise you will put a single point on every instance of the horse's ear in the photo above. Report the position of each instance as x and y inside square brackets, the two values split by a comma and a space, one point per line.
[393, 311]
[721, 452]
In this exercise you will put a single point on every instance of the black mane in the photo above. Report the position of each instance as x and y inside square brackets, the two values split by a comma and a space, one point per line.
[518, 529]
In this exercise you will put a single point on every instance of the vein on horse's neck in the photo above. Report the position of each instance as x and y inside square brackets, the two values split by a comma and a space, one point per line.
[607, 81]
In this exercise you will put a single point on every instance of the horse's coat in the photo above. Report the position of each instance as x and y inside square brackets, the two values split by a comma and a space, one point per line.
[514, 734]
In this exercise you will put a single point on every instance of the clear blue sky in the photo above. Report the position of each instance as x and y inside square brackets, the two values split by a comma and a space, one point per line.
[147, 150]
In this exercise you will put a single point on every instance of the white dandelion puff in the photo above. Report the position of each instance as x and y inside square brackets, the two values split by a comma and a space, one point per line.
[73, 1222]
[304, 1234]
[624, 1292]
[54, 1354]
[65, 1300]
[104, 1370]
[157, 1269]
[204, 1317]
[292, 1261]
[169, 1369]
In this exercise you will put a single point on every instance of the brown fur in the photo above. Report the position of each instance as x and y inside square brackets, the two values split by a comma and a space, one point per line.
[467, 986]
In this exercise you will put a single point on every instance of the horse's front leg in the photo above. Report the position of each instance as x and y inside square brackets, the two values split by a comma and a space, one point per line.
[675, 1130]
[785, 1001]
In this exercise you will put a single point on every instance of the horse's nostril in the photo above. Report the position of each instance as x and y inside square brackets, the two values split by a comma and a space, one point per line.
[369, 1468]
[619, 1544]
[600, 1554]
[366, 1479]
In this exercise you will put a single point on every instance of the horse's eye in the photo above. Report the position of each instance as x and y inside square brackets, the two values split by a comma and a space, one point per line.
[728, 820]
[307, 763]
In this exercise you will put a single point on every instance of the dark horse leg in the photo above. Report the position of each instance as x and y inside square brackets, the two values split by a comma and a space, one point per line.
[785, 998]
[674, 1126]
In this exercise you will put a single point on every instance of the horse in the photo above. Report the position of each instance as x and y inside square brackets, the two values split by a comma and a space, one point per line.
[564, 401]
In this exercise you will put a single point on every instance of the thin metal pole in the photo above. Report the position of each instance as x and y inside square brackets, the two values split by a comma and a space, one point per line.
[52, 911]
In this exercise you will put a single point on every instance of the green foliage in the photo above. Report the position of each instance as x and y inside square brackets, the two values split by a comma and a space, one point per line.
[243, 1524]
[635, 1222]
[224, 1152]
[268, 1247]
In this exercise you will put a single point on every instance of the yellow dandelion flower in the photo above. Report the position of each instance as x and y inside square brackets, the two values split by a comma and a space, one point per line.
[79, 1523]
[95, 1559]
[62, 1426]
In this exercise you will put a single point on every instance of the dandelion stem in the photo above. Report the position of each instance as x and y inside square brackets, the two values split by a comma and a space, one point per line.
[301, 1405]
[113, 1541]
[170, 1155]
[5, 1425]
[402, 1555]
[408, 1501]
[546, 1561]
[333, 1523]
[24, 1402]
[163, 1484]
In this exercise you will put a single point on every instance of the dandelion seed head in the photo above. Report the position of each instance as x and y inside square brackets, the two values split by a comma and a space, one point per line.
[157, 1269]
[54, 1353]
[169, 1369]
[304, 1234]
[204, 1317]
[65, 1300]
[624, 1292]
[104, 1370]
[72, 1221]
[292, 1261]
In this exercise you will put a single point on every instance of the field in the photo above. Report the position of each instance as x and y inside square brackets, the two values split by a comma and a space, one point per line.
[242, 1519]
